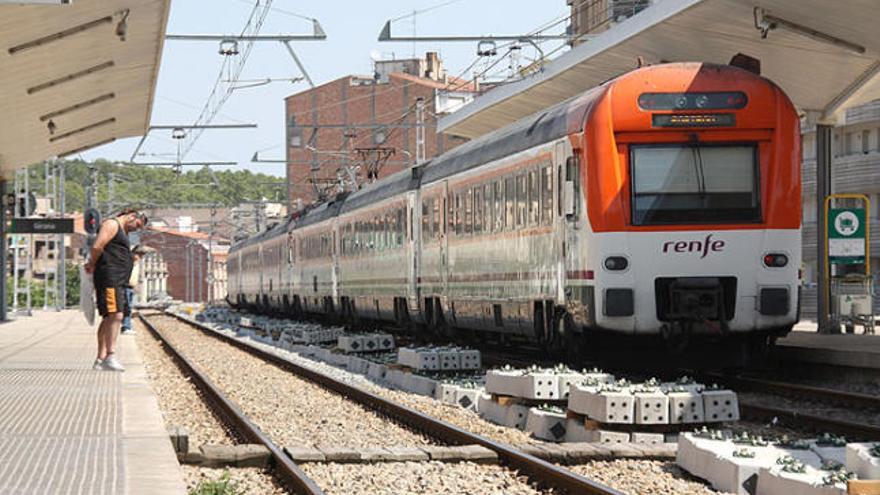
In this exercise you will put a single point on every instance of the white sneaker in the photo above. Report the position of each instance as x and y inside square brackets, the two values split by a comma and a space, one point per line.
[128, 331]
[99, 365]
[111, 364]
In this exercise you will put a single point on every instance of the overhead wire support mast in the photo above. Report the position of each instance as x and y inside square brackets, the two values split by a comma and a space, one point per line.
[385, 35]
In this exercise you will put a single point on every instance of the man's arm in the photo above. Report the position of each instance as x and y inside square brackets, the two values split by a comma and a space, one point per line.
[105, 234]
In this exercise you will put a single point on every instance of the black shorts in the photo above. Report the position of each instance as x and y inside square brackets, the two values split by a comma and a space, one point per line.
[111, 300]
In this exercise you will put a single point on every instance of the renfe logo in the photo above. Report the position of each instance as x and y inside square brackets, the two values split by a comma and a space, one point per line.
[704, 246]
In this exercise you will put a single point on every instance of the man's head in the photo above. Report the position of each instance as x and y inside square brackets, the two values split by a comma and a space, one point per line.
[132, 219]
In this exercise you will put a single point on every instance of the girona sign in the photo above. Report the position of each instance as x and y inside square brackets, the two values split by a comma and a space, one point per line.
[702, 247]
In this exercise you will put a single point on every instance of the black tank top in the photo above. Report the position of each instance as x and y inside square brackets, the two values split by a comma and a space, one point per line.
[114, 266]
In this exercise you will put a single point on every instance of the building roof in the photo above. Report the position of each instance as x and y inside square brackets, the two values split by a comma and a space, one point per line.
[824, 55]
[67, 64]
[198, 236]
[451, 83]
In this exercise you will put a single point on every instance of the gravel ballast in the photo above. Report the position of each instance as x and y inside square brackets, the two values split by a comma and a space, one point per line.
[252, 481]
[418, 478]
[292, 411]
[180, 401]
[642, 477]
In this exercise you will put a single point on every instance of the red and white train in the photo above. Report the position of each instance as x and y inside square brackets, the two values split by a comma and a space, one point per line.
[665, 202]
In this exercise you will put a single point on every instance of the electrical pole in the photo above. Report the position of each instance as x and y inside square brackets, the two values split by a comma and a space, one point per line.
[420, 130]
[62, 253]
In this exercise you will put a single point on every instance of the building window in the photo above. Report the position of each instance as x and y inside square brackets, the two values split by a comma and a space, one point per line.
[866, 138]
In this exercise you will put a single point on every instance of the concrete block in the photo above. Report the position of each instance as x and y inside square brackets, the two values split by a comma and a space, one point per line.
[608, 437]
[860, 461]
[490, 410]
[377, 372]
[646, 438]
[564, 381]
[425, 359]
[602, 406]
[546, 425]
[541, 386]
[685, 407]
[358, 365]
[396, 378]
[651, 408]
[218, 455]
[252, 455]
[446, 392]
[385, 342]
[504, 382]
[470, 359]
[299, 454]
[192, 456]
[371, 343]
[830, 454]
[575, 431]
[775, 481]
[421, 385]
[179, 439]
[340, 454]
[351, 343]
[720, 405]
[468, 398]
[449, 359]
[405, 454]
[477, 453]
[517, 415]
[375, 454]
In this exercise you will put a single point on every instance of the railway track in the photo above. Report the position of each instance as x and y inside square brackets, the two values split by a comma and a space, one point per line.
[283, 466]
[752, 409]
[538, 471]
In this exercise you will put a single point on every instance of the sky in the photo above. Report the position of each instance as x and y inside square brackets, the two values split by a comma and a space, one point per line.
[189, 69]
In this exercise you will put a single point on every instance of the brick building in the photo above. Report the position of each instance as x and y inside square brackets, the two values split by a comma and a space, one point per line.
[367, 122]
[186, 257]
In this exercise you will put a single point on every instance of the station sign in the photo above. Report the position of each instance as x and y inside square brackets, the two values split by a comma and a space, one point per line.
[847, 240]
[42, 226]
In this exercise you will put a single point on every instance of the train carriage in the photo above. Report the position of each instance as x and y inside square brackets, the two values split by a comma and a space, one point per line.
[665, 202]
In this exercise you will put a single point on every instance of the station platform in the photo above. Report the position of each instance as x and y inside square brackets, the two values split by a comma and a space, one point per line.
[805, 345]
[65, 428]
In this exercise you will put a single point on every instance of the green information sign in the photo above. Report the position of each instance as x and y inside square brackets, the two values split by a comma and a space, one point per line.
[846, 235]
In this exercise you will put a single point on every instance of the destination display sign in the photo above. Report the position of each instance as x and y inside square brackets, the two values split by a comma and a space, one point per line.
[42, 226]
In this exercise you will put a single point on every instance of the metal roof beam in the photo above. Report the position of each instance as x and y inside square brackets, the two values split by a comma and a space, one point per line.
[840, 100]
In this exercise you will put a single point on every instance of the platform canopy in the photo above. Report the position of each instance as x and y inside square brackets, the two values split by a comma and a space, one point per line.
[76, 76]
[824, 54]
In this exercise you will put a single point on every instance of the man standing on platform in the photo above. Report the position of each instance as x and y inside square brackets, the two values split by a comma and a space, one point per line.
[111, 261]
[130, 291]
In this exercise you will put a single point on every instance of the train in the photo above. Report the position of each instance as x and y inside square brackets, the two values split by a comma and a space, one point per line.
[664, 204]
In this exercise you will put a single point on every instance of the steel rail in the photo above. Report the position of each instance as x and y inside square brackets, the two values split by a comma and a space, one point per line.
[806, 391]
[287, 470]
[538, 470]
[841, 427]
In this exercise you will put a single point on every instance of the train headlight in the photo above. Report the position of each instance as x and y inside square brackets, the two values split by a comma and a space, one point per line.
[616, 263]
[775, 260]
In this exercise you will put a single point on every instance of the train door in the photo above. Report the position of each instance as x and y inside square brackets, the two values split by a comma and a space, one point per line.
[288, 280]
[261, 265]
[444, 245]
[559, 166]
[413, 251]
[334, 264]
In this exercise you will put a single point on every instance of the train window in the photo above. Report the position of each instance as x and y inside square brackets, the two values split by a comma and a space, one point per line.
[499, 206]
[456, 210]
[686, 183]
[487, 207]
[400, 225]
[478, 210]
[534, 197]
[547, 195]
[521, 200]
[468, 211]
[426, 219]
[509, 202]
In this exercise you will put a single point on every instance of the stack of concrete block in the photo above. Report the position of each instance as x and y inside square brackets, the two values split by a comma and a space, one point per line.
[720, 405]
[603, 404]
[685, 406]
[651, 407]
[419, 358]
[468, 397]
[446, 392]
[751, 466]
[439, 358]
[490, 410]
[517, 416]
[421, 385]
[546, 424]
[351, 343]
[504, 382]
